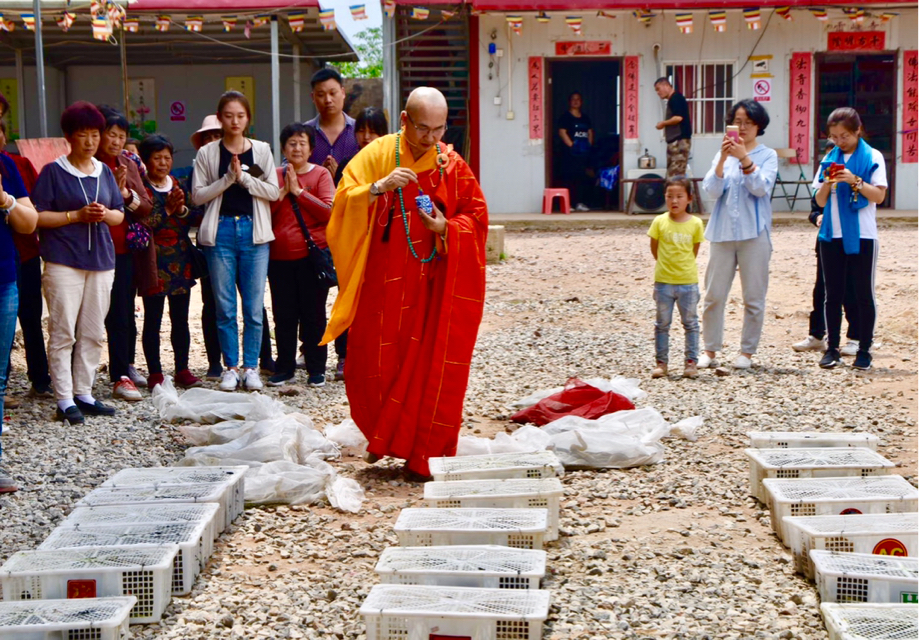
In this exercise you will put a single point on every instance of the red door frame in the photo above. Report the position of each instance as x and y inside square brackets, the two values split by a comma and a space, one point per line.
[474, 140]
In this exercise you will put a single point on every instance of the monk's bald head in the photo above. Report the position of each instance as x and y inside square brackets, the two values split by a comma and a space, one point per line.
[424, 120]
[426, 101]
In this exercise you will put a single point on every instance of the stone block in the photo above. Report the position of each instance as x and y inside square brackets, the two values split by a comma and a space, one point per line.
[494, 246]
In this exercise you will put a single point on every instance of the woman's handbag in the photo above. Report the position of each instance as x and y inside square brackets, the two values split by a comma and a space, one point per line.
[320, 260]
[198, 262]
[137, 237]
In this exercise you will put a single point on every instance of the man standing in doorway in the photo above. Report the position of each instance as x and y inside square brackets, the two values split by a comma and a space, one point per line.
[335, 144]
[677, 127]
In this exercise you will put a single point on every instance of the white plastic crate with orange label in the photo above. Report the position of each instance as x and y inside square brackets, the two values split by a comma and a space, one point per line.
[517, 528]
[83, 619]
[837, 496]
[864, 577]
[481, 566]
[413, 612]
[870, 621]
[531, 464]
[93, 572]
[810, 439]
[886, 534]
[812, 463]
[513, 493]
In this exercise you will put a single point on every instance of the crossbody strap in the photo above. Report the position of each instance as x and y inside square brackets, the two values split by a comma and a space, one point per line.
[296, 207]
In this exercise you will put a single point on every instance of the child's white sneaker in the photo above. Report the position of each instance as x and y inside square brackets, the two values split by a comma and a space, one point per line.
[810, 344]
[707, 363]
[743, 362]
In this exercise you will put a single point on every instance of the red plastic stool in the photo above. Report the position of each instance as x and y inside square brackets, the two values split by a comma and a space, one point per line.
[549, 196]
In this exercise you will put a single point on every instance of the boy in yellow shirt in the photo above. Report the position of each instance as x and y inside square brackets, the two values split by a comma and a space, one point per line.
[675, 238]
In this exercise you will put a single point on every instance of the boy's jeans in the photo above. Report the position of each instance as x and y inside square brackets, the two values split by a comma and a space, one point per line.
[686, 297]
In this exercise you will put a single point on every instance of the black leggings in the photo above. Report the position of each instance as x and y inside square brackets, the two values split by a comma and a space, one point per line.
[817, 317]
[838, 267]
[298, 305]
[180, 336]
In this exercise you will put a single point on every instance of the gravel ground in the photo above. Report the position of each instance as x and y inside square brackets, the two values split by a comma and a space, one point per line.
[674, 550]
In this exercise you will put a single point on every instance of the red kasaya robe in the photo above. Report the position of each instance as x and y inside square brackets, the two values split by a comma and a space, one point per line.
[412, 325]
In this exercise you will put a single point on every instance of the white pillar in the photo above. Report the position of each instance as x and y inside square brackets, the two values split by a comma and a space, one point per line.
[21, 98]
[275, 93]
[40, 70]
[297, 92]
[390, 74]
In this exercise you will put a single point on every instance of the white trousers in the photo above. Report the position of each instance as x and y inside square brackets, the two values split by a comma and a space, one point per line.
[78, 302]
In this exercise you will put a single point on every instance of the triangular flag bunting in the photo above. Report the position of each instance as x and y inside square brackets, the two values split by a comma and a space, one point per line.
[820, 14]
[6, 25]
[262, 20]
[28, 19]
[642, 15]
[684, 22]
[102, 28]
[543, 17]
[784, 12]
[446, 14]
[65, 21]
[751, 16]
[115, 13]
[606, 14]
[132, 25]
[327, 19]
[95, 8]
[887, 16]
[575, 22]
[296, 21]
[358, 11]
[516, 23]
[162, 23]
[247, 31]
[229, 22]
[855, 15]
[194, 23]
[719, 20]
[420, 13]
[389, 8]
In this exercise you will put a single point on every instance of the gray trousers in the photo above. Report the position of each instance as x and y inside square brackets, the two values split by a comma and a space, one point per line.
[752, 258]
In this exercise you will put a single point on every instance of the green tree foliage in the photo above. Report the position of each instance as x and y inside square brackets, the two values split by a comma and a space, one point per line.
[369, 46]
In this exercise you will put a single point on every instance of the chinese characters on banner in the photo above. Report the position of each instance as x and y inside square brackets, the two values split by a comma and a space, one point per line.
[799, 127]
[909, 152]
[856, 41]
[585, 48]
[534, 88]
[630, 97]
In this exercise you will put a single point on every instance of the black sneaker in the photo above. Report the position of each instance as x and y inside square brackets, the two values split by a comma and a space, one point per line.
[214, 372]
[340, 370]
[267, 367]
[317, 380]
[862, 360]
[279, 379]
[41, 391]
[95, 409]
[830, 359]
[73, 415]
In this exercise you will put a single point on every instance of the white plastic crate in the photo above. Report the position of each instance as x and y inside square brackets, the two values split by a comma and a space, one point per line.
[810, 439]
[863, 577]
[812, 463]
[92, 572]
[533, 464]
[231, 478]
[163, 494]
[481, 566]
[887, 534]
[837, 496]
[413, 612]
[84, 619]
[514, 493]
[870, 621]
[148, 513]
[195, 541]
[517, 528]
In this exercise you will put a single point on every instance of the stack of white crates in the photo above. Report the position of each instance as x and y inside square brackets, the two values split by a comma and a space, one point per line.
[96, 619]
[810, 440]
[865, 577]
[471, 563]
[870, 621]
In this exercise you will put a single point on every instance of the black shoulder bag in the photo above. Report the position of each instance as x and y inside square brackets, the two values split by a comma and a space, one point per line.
[320, 259]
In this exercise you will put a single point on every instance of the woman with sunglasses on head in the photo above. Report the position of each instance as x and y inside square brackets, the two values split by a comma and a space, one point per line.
[741, 180]
[850, 185]
[237, 181]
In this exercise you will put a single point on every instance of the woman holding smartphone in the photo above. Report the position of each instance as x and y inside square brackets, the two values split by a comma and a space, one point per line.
[741, 179]
[849, 187]
[235, 178]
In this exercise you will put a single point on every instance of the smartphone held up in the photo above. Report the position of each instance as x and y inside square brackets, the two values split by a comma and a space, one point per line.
[733, 132]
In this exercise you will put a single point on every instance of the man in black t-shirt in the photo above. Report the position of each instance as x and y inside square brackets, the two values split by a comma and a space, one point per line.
[677, 127]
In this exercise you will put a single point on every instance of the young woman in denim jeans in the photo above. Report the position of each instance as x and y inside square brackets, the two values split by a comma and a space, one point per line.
[236, 180]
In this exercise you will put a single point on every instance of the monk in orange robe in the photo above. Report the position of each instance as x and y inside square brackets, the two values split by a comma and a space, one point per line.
[411, 285]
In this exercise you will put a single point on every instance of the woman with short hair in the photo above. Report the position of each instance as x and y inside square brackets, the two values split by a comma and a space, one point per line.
[740, 180]
[78, 200]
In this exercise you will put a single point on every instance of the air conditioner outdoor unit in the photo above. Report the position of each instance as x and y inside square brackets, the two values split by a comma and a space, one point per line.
[649, 198]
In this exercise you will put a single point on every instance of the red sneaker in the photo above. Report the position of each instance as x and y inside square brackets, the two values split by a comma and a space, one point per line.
[126, 390]
[154, 379]
[186, 379]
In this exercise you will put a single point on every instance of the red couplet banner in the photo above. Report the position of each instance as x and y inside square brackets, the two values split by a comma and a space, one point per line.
[799, 121]
[910, 152]
[534, 89]
[630, 96]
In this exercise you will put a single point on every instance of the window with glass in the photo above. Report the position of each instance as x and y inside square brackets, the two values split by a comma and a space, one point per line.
[709, 90]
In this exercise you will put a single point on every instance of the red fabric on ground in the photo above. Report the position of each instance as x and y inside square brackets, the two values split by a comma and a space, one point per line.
[577, 399]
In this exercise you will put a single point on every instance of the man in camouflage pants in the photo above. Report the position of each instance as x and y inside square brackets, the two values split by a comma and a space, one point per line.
[677, 127]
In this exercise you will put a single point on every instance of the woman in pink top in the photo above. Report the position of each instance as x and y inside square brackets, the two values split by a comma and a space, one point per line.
[297, 297]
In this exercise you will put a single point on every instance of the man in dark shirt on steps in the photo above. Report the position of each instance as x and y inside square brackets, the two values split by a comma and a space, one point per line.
[677, 127]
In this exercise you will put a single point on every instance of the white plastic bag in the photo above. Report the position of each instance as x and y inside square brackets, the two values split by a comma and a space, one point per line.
[209, 406]
[627, 387]
[289, 483]
[345, 494]
[598, 449]
[346, 434]
[687, 428]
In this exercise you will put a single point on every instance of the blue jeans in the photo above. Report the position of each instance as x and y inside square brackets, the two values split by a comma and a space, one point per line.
[9, 305]
[686, 298]
[235, 256]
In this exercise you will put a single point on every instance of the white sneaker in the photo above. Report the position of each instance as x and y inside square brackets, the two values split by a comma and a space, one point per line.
[849, 349]
[230, 381]
[707, 363]
[810, 344]
[743, 362]
[581, 207]
[251, 381]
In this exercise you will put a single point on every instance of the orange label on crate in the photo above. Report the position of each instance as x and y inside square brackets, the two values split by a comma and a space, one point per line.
[849, 512]
[437, 636]
[890, 547]
[81, 589]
